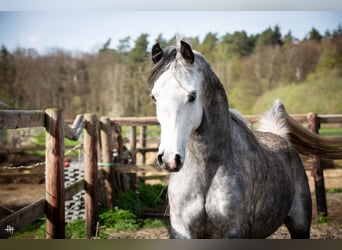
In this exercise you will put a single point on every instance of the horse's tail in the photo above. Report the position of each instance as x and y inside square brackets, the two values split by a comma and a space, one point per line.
[276, 120]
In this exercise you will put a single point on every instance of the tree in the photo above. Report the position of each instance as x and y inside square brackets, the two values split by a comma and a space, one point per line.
[314, 35]
[124, 45]
[208, 45]
[139, 53]
[330, 61]
[239, 44]
[7, 75]
[288, 38]
[269, 37]
[106, 45]
[137, 63]
[338, 31]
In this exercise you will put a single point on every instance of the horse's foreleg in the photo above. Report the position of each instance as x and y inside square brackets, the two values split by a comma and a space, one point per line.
[179, 231]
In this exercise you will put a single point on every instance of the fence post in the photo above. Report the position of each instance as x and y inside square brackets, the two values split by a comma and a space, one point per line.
[90, 174]
[54, 174]
[119, 148]
[143, 143]
[119, 143]
[133, 142]
[107, 160]
[317, 169]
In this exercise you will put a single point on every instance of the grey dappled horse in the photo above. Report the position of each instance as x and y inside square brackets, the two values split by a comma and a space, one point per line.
[227, 181]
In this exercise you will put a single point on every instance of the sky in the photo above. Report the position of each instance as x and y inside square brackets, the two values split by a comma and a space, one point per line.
[87, 29]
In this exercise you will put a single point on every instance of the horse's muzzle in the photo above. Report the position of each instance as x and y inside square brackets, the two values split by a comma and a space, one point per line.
[173, 165]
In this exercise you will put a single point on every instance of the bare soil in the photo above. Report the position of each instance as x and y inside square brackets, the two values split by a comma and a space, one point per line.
[16, 192]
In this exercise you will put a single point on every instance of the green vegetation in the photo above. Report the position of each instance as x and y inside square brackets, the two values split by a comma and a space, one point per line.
[321, 219]
[254, 69]
[331, 132]
[39, 141]
[123, 217]
[149, 196]
[320, 94]
[334, 190]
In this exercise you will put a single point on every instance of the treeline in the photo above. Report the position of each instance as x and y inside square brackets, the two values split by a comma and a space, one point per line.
[112, 81]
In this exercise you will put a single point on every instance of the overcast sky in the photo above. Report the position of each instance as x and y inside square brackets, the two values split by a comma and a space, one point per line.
[85, 29]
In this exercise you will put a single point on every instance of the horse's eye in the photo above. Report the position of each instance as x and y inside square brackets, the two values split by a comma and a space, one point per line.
[192, 96]
[153, 98]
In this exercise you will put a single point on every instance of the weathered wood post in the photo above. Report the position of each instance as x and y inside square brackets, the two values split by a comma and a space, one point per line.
[143, 143]
[133, 142]
[54, 174]
[107, 160]
[317, 169]
[120, 159]
[90, 174]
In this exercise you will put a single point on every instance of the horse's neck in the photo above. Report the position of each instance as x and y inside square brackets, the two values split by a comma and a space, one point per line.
[210, 144]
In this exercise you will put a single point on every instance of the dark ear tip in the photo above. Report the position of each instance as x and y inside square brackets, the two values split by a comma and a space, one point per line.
[156, 46]
[157, 53]
[186, 52]
[185, 43]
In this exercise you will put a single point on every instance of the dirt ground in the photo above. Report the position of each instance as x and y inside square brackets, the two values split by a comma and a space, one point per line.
[20, 191]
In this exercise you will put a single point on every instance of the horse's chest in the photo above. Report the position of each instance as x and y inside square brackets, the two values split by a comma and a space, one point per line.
[223, 207]
[202, 210]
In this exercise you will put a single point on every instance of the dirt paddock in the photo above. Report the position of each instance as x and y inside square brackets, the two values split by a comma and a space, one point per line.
[21, 191]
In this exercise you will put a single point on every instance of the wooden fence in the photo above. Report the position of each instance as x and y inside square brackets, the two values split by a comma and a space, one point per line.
[313, 121]
[53, 205]
[101, 137]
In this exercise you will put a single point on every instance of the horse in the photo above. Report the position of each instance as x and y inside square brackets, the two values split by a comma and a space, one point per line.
[226, 180]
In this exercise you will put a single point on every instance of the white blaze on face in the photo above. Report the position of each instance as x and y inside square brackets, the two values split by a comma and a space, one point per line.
[179, 112]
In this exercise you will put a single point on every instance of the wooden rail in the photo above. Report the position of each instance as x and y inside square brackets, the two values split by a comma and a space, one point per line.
[12, 119]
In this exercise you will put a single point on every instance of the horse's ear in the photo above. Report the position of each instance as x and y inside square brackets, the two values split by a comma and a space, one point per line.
[186, 52]
[157, 53]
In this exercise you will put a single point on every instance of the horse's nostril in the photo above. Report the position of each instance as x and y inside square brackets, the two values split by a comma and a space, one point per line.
[160, 159]
[178, 159]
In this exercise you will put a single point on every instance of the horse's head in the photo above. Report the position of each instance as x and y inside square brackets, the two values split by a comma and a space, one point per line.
[176, 81]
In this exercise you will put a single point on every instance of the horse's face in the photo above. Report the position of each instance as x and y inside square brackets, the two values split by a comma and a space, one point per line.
[177, 95]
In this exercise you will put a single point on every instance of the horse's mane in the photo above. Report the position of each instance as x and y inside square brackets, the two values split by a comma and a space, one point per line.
[239, 120]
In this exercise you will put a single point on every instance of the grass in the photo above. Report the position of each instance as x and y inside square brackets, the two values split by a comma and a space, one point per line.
[323, 219]
[333, 190]
[320, 94]
[39, 141]
[331, 132]
[110, 220]
[153, 131]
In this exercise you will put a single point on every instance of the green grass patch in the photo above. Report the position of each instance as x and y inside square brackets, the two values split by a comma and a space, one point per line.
[331, 132]
[320, 94]
[123, 217]
[148, 196]
[110, 221]
[35, 230]
[333, 190]
[322, 219]
[40, 140]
